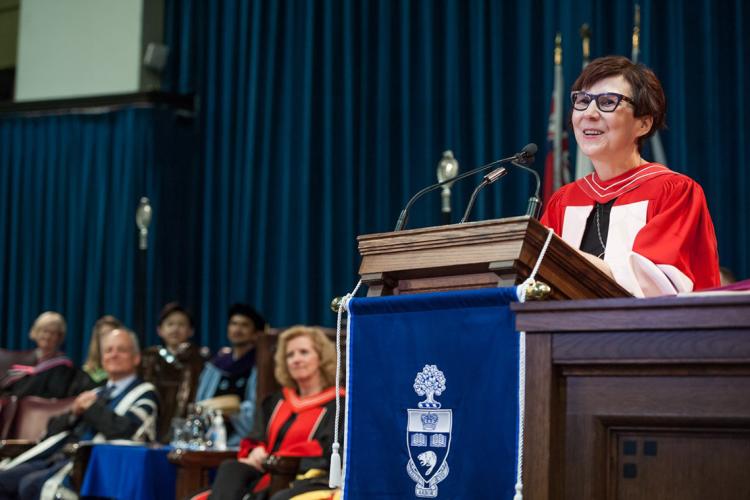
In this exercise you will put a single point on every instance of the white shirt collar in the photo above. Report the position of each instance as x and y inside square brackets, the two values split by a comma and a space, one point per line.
[119, 385]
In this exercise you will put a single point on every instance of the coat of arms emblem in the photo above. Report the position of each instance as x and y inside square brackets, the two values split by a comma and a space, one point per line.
[428, 434]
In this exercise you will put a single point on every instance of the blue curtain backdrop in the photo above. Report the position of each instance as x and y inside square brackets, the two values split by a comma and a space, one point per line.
[320, 119]
[317, 120]
[69, 188]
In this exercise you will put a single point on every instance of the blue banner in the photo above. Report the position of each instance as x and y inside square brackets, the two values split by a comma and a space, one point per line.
[432, 396]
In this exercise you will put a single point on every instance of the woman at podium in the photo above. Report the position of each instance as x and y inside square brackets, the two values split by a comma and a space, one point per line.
[643, 224]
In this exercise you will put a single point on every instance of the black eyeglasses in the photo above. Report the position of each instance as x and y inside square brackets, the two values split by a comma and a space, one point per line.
[606, 102]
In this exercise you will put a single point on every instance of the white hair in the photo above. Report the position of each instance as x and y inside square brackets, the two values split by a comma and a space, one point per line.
[131, 334]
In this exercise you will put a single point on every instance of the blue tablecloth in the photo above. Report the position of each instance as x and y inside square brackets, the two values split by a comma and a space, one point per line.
[129, 472]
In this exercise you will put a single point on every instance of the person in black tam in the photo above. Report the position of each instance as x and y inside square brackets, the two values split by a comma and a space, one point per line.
[232, 372]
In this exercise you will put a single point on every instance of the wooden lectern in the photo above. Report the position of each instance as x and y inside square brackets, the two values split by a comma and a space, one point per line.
[625, 398]
[637, 398]
[484, 254]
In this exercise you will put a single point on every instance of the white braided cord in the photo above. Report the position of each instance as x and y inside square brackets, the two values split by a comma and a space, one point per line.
[522, 370]
[343, 305]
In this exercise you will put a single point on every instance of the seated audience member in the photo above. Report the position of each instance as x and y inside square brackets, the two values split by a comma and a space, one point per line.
[125, 409]
[93, 375]
[174, 367]
[232, 371]
[49, 372]
[289, 421]
[93, 365]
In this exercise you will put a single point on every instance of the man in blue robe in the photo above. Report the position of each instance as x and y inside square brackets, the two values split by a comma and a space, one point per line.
[125, 408]
[233, 371]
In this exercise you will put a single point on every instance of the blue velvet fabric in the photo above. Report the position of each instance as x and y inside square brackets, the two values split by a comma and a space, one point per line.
[469, 338]
[128, 472]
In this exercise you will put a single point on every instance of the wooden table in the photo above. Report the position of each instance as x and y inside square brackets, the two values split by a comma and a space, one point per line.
[193, 468]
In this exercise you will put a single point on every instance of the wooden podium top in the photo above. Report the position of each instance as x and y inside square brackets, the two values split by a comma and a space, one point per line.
[493, 253]
[690, 312]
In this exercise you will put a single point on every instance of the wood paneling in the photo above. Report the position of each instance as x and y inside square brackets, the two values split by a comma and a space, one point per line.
[670, 372]
[642, 459]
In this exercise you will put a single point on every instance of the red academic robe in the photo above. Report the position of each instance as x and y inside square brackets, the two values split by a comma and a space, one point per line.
[310, 434]
[661, 239]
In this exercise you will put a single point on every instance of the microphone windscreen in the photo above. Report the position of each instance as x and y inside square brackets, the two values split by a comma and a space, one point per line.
[529, 149]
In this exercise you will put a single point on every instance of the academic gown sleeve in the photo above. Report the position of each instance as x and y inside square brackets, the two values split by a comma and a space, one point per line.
[52, 383]
[100, 418]
[257, 435]
[110, 424]
[553, 213]
[676, 251]
[325, 436]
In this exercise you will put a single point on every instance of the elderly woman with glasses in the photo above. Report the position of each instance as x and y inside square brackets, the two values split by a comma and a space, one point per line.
[641, 223]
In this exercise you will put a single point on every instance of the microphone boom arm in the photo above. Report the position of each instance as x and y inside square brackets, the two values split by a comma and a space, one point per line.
[526, 152]
[535, 202]
[488, 179]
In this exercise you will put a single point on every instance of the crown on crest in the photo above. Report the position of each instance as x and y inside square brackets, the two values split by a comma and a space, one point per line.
[429, 421]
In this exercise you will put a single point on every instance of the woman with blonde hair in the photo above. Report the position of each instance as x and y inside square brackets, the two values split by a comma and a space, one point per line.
[49, 372]
[93, 364]
[93, 375]
[297, 420]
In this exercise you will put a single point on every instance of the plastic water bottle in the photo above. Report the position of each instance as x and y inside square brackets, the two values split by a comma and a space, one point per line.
[219, 432]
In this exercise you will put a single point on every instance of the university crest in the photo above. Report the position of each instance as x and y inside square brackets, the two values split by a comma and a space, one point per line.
[428, 434]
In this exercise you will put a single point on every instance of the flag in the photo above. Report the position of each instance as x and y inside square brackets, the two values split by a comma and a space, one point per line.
[583, 164]
[432, 396]
[556, 167]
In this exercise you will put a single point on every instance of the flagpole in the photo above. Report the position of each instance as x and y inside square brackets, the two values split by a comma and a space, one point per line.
[557, 163]
[636, 34]
[583, 163]
[585, 33]
[558, 94]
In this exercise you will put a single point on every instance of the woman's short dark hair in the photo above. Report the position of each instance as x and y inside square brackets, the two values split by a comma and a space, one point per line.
[648, 94]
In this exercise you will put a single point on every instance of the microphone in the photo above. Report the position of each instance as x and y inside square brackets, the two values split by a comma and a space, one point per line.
[525, 154]
[535, 202]
[496, 174]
